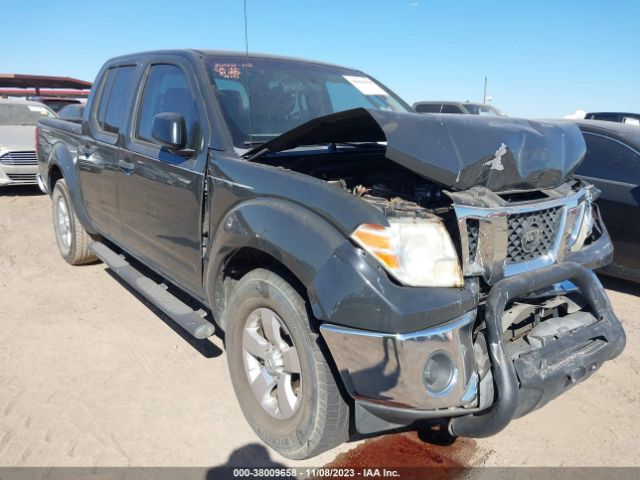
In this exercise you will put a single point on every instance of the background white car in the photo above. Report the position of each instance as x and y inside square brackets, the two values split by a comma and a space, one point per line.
[18, 119]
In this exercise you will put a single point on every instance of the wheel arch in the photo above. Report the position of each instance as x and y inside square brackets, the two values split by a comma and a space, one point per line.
[61, 165]
[280, 235]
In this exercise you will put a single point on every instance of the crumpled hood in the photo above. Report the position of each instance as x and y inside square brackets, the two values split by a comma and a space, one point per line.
[457, 151]
[14, 136]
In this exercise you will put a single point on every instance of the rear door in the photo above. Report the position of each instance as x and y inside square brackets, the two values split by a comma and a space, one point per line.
[614, 168]
[99, 149]
[161, 192]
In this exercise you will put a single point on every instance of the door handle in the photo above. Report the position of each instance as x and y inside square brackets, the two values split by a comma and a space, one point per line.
[126, 167]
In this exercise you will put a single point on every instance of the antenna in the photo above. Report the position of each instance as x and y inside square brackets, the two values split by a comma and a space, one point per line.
[246, 55]
[484, 98]
[246, 31]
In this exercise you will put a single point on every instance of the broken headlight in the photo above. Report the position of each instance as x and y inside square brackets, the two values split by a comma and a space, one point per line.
[585, 229]
[417, 253]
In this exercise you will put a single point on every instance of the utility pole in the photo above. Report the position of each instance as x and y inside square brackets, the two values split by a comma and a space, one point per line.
[484, 98]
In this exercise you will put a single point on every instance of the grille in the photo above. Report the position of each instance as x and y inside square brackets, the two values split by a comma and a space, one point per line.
[19, 158]
[473, 232]
[532, 234]
[22, 177]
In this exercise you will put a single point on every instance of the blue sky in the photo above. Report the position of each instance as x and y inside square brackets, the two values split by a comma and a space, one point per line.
[543, 58]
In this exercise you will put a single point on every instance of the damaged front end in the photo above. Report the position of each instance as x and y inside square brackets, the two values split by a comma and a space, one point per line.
[485, 206]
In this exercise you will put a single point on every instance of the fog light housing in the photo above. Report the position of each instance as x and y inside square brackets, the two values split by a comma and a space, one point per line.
[440, 374]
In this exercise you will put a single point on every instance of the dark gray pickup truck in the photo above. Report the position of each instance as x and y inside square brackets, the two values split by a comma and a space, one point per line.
[368, 265]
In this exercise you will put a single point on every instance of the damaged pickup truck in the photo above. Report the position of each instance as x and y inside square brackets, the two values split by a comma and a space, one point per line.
[368, 265]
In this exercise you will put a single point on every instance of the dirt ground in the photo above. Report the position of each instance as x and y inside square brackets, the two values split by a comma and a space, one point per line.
[91, 376]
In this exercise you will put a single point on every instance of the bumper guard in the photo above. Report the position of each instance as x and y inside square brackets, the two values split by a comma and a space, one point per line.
[536, 377]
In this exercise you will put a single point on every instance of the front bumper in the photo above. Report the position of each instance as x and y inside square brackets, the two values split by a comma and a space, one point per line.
[384, 372]
[18, 174]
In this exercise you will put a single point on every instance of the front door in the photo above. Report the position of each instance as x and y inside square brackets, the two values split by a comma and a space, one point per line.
[160, 191]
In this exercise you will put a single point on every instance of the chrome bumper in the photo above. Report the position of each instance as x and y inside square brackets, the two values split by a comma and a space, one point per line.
[389, 368]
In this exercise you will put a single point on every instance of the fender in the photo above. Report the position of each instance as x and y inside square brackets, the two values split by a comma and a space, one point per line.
[345, 286]
[298, 238]
[65, 161]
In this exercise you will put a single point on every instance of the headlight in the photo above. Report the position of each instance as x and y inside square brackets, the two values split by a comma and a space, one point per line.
[417, 252]
[586, 227]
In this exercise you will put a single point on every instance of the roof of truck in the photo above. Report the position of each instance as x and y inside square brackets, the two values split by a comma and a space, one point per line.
[227, 53]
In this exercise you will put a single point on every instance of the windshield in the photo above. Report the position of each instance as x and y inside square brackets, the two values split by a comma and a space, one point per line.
[263, 98]
[19, 114]
[480, 109]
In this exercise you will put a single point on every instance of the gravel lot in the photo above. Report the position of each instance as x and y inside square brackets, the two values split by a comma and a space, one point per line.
[91, 376]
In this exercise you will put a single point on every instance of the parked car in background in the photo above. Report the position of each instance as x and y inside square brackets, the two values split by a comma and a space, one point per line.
[72, 112]
[458, 107]
[369, 266]
[612, 164]
[56, 103]
[18, 119]
[619, 117]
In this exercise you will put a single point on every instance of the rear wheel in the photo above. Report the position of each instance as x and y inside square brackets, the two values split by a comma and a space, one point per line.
[73, 241]
[283, 382]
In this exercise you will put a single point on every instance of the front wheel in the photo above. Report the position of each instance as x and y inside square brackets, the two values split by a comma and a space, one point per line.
[73, 241]
[283, 382]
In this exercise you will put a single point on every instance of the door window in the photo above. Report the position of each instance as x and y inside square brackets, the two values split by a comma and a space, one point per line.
[428, 108]
[450, 109]
[609, 160]
[114, 98]
[107, 84]
[167, 90]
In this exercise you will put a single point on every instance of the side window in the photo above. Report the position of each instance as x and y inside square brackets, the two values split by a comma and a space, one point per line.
[107, 84]
[450, 109]
[607, 117]
[113, 98]
[118, 99]
[609, 160]
[167, 90]
[428, 108]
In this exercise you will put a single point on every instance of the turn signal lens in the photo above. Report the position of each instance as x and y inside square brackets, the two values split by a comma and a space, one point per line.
[586, 227]
[377, 240]
[417, 252]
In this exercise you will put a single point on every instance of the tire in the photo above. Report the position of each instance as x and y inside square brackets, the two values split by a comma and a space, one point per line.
[309, 415]
[73, 241]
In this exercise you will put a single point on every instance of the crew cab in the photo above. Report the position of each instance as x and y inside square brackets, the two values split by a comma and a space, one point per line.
[368, 265]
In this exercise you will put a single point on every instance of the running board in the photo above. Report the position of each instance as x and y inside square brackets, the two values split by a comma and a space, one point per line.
[191, 320]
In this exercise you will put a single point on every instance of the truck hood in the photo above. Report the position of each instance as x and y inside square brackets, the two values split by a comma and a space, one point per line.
[456, 151]
[12, 136]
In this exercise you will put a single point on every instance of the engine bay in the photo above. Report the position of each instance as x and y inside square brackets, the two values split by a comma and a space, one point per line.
[392, 188]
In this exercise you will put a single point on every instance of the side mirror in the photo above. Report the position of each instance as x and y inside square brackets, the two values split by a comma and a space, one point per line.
[170, 130]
